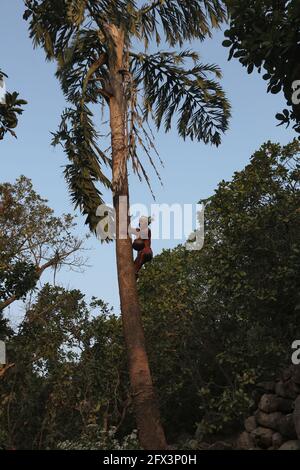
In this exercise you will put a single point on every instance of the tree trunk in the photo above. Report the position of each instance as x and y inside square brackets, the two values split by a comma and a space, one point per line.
[151, 434]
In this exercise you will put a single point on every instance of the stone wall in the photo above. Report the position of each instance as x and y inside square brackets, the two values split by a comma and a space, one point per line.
[275, 424]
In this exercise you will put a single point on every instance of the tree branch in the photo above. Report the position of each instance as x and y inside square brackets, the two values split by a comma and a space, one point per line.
[58, 258]
[93, 68]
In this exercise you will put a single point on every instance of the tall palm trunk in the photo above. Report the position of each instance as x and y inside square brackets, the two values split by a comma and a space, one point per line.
[151, 434]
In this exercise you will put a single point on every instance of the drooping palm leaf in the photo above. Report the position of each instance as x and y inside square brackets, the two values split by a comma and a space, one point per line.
[172, 90]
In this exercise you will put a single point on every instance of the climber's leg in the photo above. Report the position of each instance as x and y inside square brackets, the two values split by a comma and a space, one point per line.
[138, 262]
[141, 259]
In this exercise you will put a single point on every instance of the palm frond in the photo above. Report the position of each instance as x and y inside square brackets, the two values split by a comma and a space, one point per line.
[84, 172]
[78, 63]
[173, 91]
[179, 20]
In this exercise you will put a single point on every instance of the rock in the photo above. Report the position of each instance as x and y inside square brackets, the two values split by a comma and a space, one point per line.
[287, 373]
[270, 403]
[269, 420]
[296, 375]
[256, 396]
[290, 445]
[295, 386]
[287, 427]
[296, 417]
[287, 389]
[250, 424]
[277, 440]
[286, 405]
[245, 441]
[280, 389]
[262, 437]
[267, 386]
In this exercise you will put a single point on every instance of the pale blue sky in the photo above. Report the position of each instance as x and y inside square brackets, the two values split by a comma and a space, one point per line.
[192, 170]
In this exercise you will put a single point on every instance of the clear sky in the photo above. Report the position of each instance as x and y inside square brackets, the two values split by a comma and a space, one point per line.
[192, 170]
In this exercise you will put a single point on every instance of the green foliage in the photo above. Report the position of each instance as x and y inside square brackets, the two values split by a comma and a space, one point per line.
[10, 109]
[77, 134]
[217, 321]
[102, 440]
[265, 34]
[32, 239]
[17, 279]
[167, 87]
[68, 374]
[222, 318]
[180, 21]
[171, 90]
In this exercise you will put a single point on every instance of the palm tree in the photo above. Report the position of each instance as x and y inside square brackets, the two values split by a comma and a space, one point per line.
[101, 49]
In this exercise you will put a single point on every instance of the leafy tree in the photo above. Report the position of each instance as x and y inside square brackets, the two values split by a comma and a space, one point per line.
[213, 327]
[10, 109]
[265, 35]
[101, 51]
[32, 240]
[69, 376]
[220, 319]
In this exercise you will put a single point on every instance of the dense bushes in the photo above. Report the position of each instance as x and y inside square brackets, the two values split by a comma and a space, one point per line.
[219, 319]
[68, 373]
[216, 321]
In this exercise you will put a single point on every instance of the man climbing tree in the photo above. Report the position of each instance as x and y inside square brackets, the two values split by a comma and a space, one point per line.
[142, 244]
[95, 44]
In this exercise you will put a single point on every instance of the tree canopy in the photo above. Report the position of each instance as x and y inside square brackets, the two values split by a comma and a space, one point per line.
[265, 35]
[32, 239]
[213, 328]
[178, 363]
[223, 318]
